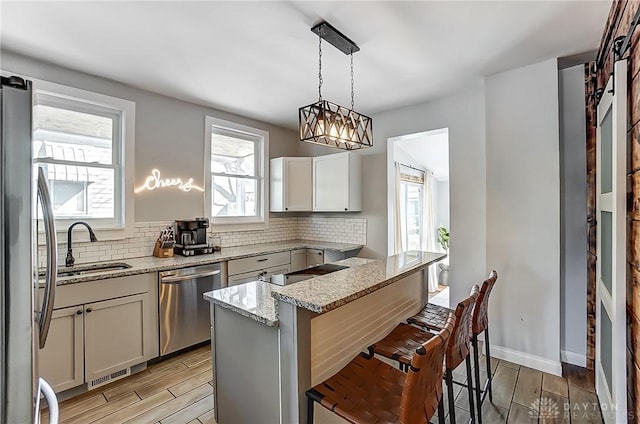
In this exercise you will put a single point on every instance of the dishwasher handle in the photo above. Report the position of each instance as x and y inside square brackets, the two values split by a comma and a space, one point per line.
[169, 280]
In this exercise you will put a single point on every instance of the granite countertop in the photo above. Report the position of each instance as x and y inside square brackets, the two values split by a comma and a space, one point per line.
[152, 264]
[252, 300]
[258, 300]
[327, 292]
[255, 299]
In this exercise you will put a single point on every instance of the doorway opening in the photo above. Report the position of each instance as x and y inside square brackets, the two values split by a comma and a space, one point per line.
[418, 201]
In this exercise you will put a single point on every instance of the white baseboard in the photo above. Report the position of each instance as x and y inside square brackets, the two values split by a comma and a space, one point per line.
[521, 358]
[574, 358]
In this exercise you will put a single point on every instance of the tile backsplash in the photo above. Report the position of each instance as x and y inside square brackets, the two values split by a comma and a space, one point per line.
[340, 230]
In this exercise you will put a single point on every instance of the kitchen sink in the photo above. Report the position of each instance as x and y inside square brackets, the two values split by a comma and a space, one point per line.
[89, 269]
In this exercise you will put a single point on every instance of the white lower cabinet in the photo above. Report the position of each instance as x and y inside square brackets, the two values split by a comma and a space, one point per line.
[61, 362]
[111, 325]
[114, 334]
[298, 259]
[315, 257]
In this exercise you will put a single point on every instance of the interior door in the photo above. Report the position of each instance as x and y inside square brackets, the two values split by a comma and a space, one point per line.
[611, 253]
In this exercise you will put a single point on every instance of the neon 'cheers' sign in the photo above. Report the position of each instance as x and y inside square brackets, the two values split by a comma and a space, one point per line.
[154, 181]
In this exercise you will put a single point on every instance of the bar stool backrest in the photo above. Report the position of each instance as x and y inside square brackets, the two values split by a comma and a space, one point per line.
[423, 385]
[481, 310]
[458, 346]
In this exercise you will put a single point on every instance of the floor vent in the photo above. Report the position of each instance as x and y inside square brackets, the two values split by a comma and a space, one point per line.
[108, 378]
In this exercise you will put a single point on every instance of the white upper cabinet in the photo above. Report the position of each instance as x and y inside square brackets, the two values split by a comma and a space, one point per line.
[291, 184]
[336, 183]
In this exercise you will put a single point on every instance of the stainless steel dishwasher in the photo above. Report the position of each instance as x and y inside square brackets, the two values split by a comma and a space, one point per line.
[184, 314]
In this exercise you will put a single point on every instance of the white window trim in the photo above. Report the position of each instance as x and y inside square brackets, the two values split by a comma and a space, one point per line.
[225, 224]
[127, 168]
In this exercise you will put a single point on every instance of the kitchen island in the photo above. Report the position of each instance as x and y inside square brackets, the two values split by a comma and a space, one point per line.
[271, 343]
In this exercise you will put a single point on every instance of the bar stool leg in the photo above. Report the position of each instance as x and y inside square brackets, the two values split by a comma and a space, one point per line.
[488, 355]
[472, 408]
[476, 364]
[309, 410]
[441, 411]
[452, 401]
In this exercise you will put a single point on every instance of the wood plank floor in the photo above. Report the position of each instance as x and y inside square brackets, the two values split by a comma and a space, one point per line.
[179, 391]
[176, 390]
[518, 391]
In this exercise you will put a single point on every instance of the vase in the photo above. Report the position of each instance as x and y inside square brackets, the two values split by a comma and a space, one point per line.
[443, 275]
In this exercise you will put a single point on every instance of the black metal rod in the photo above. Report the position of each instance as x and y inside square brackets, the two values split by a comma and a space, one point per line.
[309, 410]
[470, 389]
[627, 40]
[411, 167]
[488, 357]
[452, 402]
[476, 365]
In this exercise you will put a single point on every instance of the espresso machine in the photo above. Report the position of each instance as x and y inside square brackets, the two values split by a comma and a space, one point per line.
[191, 237]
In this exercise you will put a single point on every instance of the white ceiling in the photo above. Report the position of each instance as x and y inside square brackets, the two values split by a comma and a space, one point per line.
[259, 59]
[429, 150]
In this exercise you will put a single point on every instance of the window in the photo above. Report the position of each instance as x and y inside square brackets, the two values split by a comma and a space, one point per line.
[84, 143]
[411, 215]
[237, 161]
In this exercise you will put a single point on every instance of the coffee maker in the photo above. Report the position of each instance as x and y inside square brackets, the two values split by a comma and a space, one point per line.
[191, 237]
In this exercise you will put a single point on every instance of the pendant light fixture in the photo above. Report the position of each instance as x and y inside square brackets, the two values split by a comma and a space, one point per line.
[328, 123]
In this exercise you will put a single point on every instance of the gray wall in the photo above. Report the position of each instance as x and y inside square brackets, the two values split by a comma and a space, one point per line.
[463, 115]
[523, 209]
[441, 190]
[573, 213]
[169, 136]
[404, 156]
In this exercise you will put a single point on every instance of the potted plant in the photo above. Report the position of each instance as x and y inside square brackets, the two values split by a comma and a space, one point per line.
[443, 239]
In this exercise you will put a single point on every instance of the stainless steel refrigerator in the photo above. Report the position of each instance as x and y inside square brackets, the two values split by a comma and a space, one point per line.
[24, 317]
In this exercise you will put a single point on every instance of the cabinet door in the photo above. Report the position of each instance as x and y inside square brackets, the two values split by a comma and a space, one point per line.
[117, 334]
[331, 182]
[315, 257]
[61, 362]
[298, 184]
[276, 185]
[298, 259]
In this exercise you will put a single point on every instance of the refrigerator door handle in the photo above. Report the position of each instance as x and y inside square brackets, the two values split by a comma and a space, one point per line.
[52, 402]
[52, 258]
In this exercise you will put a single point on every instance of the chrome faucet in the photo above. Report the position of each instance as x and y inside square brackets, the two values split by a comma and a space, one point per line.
[70, 259]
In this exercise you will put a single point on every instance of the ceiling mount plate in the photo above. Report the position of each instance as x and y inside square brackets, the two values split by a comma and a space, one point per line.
[340, 41]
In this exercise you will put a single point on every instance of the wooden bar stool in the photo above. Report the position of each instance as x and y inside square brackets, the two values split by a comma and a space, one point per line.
[480, 324]
[368, 390]
[405, 337]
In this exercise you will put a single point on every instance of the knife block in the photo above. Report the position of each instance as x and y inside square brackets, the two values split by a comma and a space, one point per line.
[159, 252]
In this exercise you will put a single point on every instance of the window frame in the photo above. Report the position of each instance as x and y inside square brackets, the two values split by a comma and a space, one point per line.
[122, 150]
[238, 223]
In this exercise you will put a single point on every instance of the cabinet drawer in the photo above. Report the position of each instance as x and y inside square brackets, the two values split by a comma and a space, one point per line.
[248, 277]
[253, 263]
[94, 291]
